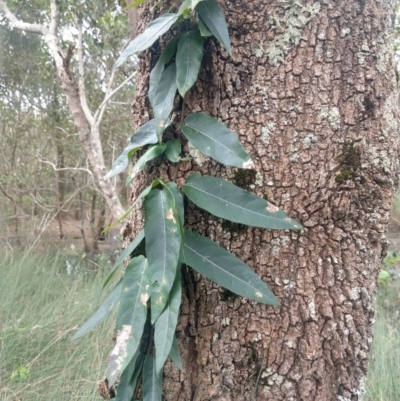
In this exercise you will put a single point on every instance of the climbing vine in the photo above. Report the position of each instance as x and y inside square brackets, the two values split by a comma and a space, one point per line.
[149, 294]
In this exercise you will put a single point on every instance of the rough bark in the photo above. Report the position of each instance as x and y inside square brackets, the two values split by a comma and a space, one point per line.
[322, 131]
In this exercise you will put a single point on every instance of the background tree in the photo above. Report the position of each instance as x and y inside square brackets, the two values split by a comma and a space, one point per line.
[43, 166]
[311, 91]
[82, 40]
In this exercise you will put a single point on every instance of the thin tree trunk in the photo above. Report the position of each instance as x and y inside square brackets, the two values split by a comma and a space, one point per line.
[322, 130]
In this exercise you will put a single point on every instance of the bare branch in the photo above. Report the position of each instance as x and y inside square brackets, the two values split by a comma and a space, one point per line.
[66, 168]
[21, 25]
[111, 94]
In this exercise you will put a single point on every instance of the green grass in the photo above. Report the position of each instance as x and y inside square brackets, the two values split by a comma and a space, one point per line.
[383, 382]
[40, 309]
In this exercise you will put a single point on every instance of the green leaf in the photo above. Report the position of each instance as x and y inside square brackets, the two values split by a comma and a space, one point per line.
[131, 316]
[150, 154]
[214, 139]
[124, 254]
[185, 8]
[164, 331]
[173, 150]
[213, 17]
[220, 266]
[145, 135]
[152, 383]
[164, 98]
[152, 32]
[225, 200]
[158, 69]
[128, 212]
[105, 308]
[129, 378]
[178, 199]
[188, 60]
[174, 354]
[203, 29]
[163, 241]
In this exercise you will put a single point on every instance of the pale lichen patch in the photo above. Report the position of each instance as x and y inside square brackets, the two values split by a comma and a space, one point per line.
[170, 216]
[272, 208]
[198, 157]
[119, 352]
[249, 164]
[289, 26]
[144, 298]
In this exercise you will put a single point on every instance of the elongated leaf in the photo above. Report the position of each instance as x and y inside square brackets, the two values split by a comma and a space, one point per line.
[128, 212]
[105, 308]
[174, 354]
[203, 29]
[220, 266]
[188, 60]
[213, 16]
[131, 317]
[150, 154]
[129, 377]
[178, 199]
[124, 254]
[163, 241]
[164, 98]
[165, 326]
[223, 199]
[173, 150]
[156, 72]
[145, 135]
[152, 383]
[214, 139]
[152, 32]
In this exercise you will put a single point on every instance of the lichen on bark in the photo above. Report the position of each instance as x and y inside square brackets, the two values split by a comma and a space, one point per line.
[315, 345]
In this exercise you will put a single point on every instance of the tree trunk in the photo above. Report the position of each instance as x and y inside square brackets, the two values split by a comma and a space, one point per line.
[321, 128]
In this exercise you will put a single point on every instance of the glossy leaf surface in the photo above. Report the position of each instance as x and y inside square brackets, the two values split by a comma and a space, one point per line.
[124, 254]
[144, 40]
[225, 200]
[164, 98]
[152, 383]
[151, 153]
[165, 325]
[158, 69]
[163, 241]
[214, 139]
[131, 316]
[145, 135]
[105, 308]
[129, 378]
[173, 150]
[188, 60]
[220, 266]
[212, 15]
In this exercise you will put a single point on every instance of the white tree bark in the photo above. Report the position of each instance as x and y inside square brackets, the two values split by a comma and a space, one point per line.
[86, 124]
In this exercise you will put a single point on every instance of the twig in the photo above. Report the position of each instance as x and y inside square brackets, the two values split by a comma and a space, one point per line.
[112, 93]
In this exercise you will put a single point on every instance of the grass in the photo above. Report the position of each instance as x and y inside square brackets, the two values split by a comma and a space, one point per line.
[41, 307]
[383, 383]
